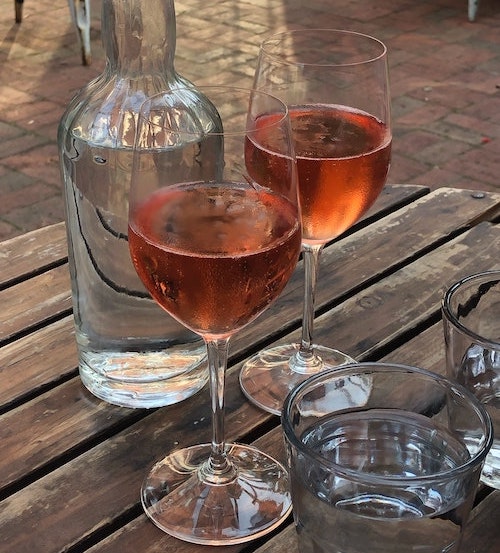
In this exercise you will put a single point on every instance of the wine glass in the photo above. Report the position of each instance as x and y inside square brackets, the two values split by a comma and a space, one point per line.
[215, 234]
[335, 84]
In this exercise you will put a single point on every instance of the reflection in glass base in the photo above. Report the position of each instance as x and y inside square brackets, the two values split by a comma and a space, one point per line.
[254, 502]
[144, 379]
[268, 377]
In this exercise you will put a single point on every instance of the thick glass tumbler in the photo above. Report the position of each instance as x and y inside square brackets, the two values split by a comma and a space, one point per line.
[383, 458]
[471, 318]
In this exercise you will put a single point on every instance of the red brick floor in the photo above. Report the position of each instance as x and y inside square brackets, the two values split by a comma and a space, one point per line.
[445, 82]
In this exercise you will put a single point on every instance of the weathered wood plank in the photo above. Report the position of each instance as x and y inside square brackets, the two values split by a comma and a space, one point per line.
[83, 485]
[72, 502]
[93, 499]
[31, 302]
[28, 366]
[382, 312]
[372, 251]
[34, 361]
[48, 294]
[141, 535]
[32, 252]
[48, 427]
[426, 350]
[26, 369]
[482, 533]
[37, 250]
[42, 248]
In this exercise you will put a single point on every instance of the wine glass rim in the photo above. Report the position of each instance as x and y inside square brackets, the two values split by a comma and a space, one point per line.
[392, 480]
[277, 37]
[250, 92]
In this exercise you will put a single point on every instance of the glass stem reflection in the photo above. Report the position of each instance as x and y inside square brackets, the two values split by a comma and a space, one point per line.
[306, 360]
[219, 469]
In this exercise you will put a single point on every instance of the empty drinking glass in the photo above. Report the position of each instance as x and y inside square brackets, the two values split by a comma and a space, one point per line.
[471, 318]
[383, 458]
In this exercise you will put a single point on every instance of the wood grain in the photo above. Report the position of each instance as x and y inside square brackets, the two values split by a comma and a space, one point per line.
[71, 466]
[32, 253]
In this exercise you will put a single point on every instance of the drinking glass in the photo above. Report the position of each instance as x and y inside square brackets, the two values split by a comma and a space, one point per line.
[214, 233]
[384, 458]
[335, 84]
[471, 322]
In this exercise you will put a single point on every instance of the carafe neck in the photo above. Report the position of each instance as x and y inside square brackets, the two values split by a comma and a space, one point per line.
[139, 37]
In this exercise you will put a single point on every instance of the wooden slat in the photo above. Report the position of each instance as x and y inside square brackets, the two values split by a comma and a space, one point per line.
[31, 302]
[141, 535]
[35, 361]
[48, 427]
[39, 370]
[409, 297]
[482, 533]
[425, 350]
[48, 294]
[32, 252]
[96, 487]
[42, 248]
[369, 253]
[100, 486]
[99, 499]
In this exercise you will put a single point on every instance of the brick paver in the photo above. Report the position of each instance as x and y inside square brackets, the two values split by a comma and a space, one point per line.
[445, 83]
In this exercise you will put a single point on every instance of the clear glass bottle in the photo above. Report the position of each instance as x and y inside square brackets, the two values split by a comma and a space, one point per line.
[131, 353]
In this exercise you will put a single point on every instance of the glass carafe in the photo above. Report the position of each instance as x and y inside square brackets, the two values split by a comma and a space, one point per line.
[131, 353]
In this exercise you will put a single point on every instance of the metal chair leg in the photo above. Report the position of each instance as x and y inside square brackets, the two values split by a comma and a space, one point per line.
[80, 14]
[18, 6]
[473, 5]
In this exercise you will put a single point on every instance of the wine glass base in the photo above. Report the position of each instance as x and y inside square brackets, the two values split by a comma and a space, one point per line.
[268, 377]
[254, 502]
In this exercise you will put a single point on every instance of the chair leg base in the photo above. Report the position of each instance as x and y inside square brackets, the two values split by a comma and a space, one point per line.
[18, 4]
[472, 9]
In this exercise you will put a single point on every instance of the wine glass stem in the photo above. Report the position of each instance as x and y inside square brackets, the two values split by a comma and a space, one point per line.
[305, 359]
[218, 469]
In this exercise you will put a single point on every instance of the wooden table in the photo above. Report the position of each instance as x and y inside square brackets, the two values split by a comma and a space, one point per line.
[71, 465]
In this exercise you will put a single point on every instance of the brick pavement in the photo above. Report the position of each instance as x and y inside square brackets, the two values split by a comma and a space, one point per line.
[445, 82]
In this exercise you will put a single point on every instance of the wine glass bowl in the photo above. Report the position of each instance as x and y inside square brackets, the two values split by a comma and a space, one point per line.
[335, 84]
[214, 234]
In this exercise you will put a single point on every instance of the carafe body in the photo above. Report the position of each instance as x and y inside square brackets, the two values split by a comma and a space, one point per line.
[131, 352]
